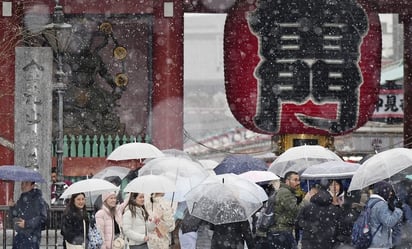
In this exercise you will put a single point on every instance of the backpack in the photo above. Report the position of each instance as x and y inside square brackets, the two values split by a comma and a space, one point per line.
[95, 239]
[266, 218]
[361, 234]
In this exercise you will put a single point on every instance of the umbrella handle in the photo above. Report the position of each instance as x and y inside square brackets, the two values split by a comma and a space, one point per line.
[173, 197]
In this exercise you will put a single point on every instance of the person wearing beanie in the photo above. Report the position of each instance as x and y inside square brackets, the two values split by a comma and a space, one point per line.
[382, 218]
[109, 219]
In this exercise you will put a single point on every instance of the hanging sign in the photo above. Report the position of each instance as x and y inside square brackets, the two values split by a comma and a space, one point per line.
[294, 66]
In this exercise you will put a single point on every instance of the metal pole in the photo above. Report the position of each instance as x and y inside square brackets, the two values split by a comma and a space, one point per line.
[60, 88]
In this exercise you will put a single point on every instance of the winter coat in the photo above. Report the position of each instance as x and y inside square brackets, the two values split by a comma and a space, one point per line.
[349, 216]
[162, 209]
[30, 207]
[381, 214]
[73, 228]
[232, 236]
[105, 224]
[403, 239]
[195, 232]
[136, 228]
[320, 222]
[190, 223]
[286, 209]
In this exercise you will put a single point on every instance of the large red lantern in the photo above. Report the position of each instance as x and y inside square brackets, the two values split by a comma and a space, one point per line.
[294, 66]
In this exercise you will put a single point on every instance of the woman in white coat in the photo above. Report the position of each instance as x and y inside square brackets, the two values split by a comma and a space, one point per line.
[135, 222]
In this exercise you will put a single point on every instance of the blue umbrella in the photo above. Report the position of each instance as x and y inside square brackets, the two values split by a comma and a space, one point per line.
[238, 164]
[20, 174]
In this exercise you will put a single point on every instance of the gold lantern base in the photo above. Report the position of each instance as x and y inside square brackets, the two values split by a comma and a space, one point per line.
[287, 141]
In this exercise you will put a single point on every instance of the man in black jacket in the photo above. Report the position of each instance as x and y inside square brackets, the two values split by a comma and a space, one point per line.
[29, 215]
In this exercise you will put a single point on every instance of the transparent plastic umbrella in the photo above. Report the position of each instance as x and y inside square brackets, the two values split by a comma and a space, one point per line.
[300, 158]
[330, 170]
[119, 171]
[394, 164]
[223, 200]
[185, 173]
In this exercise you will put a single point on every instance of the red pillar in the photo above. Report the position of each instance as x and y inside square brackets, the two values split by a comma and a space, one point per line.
[407, 81]
[11, 33]
[167, 97]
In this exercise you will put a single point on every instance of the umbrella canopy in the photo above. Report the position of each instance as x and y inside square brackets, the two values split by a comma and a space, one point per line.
[221, 201]
[259, 176]
[176, 153]
[300, 158]
[330, 170]
[185, 173]
[237, 180]
[136, 150]
[208, 164]
[91, 187]
[150, 184]
[238, 164]
[20, 174]
[110, 171]
[387, 164]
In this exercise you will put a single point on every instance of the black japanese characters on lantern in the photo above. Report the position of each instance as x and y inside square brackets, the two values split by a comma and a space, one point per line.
[309, 50]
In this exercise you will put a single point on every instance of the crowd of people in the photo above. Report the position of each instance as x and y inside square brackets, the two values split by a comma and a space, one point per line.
[321, 218]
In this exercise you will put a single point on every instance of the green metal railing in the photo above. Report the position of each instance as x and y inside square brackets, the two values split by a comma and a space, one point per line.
[95, 146]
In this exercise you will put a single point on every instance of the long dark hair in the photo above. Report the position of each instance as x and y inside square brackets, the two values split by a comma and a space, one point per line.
[72, 209]
[339, 182]
[133, 206]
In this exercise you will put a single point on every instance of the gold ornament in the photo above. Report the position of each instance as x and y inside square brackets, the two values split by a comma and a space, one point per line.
[106, 27]
[120, 53]
[121, 79]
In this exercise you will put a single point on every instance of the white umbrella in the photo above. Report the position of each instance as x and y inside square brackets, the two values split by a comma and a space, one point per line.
[89, 187]
[185, 173]
[150, 184]
[259, 176]
[221, 201]
[384, 165]
[300, 158]
[131, 151]
[330, 170]
[176, 153]
[112, 171]
[208, 164]
[236, 180]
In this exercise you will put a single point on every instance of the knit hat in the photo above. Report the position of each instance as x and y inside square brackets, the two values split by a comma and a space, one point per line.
[106, 195]
[382, 189]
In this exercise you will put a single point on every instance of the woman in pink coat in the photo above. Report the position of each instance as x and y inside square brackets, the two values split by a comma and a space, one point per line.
[109, 219]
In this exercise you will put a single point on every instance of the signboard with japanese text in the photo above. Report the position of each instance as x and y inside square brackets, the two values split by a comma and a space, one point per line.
[302, 66]
[390, 104]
